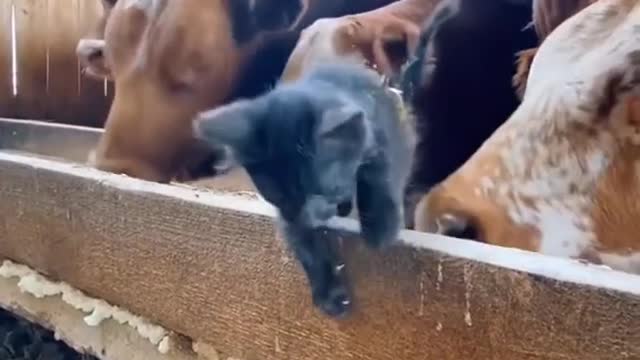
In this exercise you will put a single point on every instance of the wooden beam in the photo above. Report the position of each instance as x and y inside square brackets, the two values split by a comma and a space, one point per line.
[208, 266]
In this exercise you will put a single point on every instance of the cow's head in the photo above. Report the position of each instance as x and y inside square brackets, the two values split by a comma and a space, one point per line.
[169, 60]
[561, 176]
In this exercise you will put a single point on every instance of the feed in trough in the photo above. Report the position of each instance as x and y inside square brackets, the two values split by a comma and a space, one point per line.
[310, 146]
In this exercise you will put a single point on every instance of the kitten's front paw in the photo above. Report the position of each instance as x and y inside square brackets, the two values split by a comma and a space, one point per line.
[336, 302]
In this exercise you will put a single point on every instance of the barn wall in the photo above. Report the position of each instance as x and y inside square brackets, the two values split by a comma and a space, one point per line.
[49, 85]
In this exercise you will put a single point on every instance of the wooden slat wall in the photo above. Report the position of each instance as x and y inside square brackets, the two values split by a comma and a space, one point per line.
[6, 88]
[49, 83]
[90, 91]
[31, 47]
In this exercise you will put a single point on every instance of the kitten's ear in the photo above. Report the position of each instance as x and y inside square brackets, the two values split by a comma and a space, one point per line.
[345, 119]
[229, 125]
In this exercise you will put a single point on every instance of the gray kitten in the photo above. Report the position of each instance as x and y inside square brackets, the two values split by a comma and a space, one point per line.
[313, 145]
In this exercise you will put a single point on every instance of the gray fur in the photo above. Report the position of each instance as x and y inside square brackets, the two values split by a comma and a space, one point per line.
[310, 147]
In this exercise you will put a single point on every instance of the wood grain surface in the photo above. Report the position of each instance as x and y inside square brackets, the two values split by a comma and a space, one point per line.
[49, 84]
[210, 267]
[7, 99]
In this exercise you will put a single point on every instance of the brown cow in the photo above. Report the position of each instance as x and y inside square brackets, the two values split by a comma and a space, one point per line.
[561, 176]
[547, 15]
[381, 38]
[173, 58]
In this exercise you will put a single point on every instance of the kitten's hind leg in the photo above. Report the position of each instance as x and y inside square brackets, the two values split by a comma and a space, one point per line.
[380, 206]
[312, 249]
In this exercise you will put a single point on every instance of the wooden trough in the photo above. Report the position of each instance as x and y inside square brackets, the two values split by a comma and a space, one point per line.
[209, 268]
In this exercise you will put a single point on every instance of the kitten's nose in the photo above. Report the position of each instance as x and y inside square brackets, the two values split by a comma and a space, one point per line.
[317, 211]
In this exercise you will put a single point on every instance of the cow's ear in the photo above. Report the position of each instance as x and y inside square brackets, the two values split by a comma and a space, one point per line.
[232, 126]
[252, 17]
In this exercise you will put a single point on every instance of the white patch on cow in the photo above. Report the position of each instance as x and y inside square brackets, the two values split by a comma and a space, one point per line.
[561, 232]
[547, 180]
[549, 188]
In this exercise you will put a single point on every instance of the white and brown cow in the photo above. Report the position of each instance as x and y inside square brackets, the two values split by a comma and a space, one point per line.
[562, 175]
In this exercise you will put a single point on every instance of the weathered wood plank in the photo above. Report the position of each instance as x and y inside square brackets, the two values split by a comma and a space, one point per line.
[209, 266]
[7, 99]
[64, 73]
[31, 44]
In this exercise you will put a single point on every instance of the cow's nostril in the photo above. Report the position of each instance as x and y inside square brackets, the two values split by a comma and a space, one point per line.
[456, 226]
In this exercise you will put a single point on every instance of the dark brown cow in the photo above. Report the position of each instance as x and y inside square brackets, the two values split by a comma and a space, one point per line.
[381, 38]
[170, 59]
